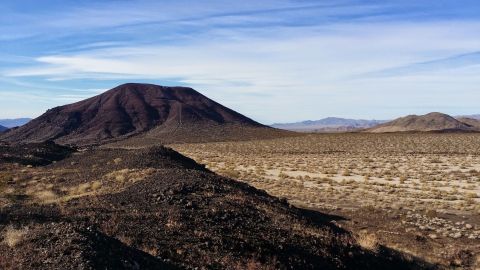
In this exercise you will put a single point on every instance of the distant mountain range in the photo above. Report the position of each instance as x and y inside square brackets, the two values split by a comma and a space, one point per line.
[432, 122]
[472, 116]
[11, 123]
[329, 124]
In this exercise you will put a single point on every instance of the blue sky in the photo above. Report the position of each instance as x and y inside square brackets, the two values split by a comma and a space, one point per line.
[272, 60]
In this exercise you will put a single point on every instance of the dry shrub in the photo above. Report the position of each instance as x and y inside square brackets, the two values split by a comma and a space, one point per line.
[368, 241]
[46, 196]
[5, 177]
[14, 236]
[255, 264]
[232, 173]
[472, 195]
[96, 185]
[431, 213]
[129, 175]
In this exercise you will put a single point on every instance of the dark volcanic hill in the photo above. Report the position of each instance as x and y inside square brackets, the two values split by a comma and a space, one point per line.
[435, 121]
[166, 113]
[2, 128]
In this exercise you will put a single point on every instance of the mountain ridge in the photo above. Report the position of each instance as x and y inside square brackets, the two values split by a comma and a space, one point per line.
[329, 124]
[14, 122]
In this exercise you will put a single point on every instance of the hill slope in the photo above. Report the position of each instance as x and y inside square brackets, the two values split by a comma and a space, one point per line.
[2, 128]
[475, 123]
[170, 113]
[329, 124]
[423, 123]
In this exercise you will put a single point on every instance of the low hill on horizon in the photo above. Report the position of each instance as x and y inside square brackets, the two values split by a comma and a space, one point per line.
[2, 128]
[431, 122]
[329, 124]
[167, 114]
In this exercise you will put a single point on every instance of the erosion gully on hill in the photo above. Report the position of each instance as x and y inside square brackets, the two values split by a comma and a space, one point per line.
[156, 209]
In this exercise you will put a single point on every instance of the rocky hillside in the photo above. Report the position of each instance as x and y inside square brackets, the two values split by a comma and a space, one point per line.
[473, 122]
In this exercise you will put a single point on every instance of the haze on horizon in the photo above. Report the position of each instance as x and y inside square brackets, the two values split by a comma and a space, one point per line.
[274, 61]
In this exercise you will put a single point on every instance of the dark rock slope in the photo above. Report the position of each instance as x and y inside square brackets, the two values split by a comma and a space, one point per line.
[170, 113]
[33, 154]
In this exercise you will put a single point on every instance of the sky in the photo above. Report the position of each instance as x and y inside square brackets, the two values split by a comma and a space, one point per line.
[271, 60]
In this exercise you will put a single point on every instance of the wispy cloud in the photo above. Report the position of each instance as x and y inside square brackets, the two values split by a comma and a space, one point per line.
[329, 56]
[424, 68]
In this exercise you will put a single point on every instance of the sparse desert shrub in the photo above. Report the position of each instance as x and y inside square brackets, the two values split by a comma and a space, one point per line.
[82, 188]
[472, 195]
[5, 177]
[14, 236]
[96, 185]
[431, 213]
[410, 166]
[232, 173]
[368, 241]
[46, 196]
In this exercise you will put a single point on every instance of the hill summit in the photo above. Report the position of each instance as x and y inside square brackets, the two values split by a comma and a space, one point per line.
[166, 113]
[423, 123]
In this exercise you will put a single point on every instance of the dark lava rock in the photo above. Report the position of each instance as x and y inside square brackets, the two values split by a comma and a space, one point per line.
[179, 215]
[35, 154]
[67, 246]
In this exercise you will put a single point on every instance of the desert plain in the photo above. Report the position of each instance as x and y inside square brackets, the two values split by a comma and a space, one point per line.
[414, 192]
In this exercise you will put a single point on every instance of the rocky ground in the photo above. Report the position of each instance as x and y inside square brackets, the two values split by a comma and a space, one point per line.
[156, 209]
[33, 154]
[433, 237]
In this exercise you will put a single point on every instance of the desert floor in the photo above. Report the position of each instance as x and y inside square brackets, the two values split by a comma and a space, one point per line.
[417, 193]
